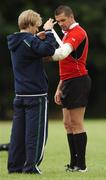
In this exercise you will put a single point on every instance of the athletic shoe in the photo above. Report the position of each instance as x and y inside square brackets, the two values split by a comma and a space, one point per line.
[38, 171]
[35, 170]
[82, 170]
[69, 168]
[78, 169]
[75, 169]
[4, 147]
[11, 172]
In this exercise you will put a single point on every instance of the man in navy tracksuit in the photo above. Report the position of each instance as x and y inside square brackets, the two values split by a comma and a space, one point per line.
[29, 129]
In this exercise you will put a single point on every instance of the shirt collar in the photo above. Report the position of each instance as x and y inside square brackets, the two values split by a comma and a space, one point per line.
[71, 27]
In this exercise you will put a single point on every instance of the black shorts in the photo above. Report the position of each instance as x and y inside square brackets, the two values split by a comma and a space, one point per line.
[75, 92]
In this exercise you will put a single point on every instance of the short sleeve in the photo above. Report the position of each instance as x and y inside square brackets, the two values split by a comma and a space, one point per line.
[74, 38]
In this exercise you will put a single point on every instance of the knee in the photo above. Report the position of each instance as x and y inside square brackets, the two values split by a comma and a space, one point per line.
[77, 127]
[68, 127]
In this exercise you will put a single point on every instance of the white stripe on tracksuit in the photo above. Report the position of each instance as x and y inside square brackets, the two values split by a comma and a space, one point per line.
[45, 131]
[30, 95]
[45, 122]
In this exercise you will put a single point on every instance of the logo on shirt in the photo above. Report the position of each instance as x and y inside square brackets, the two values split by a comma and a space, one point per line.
[73, 39]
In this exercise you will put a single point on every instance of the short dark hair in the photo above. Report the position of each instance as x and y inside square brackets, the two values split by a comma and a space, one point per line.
[64, 9]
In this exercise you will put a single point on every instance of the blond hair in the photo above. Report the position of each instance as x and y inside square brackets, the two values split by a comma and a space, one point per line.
[29, 17]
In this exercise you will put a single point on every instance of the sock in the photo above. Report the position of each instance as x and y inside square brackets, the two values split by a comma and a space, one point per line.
[73, 156]
[4, 147]
[80, 143]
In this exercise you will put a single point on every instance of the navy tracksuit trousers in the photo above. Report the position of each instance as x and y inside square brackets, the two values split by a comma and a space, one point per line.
[29, 133]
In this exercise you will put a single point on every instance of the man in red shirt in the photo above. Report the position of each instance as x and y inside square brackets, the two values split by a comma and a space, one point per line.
[74, 86]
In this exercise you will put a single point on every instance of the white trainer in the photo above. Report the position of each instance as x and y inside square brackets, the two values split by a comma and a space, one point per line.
[82, 170]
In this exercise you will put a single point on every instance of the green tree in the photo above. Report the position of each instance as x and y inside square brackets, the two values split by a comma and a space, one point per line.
[90, 14]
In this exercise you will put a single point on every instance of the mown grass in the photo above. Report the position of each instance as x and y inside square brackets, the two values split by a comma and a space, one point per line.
[56, 153]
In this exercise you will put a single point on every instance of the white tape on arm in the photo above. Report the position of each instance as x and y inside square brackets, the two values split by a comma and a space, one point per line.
[62, 52]
[59, 41]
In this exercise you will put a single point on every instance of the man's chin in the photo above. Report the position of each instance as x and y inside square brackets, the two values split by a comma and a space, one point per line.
[64, 29]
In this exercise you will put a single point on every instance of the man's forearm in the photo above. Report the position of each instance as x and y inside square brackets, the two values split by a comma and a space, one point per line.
[59, 85]
[62, 52]
[64, 49]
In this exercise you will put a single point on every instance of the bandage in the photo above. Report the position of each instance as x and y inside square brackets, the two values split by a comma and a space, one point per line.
[59, 41]
[62, 52]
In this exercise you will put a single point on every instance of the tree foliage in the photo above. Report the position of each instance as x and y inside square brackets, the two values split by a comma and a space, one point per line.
[90, 15]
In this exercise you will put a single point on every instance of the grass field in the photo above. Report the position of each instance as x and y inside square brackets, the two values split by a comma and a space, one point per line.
[56, 153]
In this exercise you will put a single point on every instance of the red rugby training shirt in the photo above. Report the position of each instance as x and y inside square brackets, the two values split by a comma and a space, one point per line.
[75, 64]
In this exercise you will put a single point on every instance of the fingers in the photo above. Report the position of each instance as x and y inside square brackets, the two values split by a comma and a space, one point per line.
[52, 20]
[49, 24]
[57, 98]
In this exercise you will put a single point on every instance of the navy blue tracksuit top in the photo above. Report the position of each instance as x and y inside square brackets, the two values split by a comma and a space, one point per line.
[26, 55]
